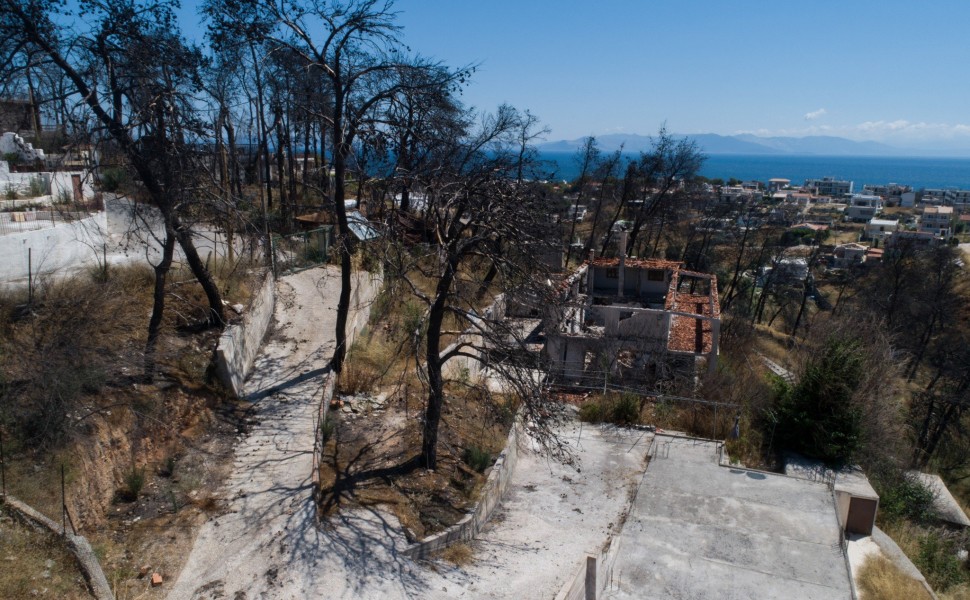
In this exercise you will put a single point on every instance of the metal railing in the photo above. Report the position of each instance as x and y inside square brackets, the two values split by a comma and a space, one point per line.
[300, 251]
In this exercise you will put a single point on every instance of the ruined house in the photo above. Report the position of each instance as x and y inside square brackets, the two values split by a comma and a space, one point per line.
[623, 319]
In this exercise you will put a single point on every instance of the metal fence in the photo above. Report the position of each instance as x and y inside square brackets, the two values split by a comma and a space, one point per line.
[299, 251]
[21, 221]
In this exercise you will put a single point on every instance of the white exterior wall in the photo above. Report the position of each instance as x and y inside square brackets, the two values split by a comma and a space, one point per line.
[64, 247]
[61, 185]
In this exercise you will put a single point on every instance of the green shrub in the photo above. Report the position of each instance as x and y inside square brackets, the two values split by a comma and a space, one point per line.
[134, 482]
[477, 459]
[817, 416]
[621, 409]
[113, 178]
[905, 497]
[938, 562]
[592, 412]
[626, 410]
[327, 429]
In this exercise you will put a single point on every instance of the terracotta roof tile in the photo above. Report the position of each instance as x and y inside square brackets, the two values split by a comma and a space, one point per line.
[683, 334]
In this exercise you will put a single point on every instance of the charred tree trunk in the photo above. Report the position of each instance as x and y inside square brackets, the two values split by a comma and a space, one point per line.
[341, 149]
[436, 314]
[216, 317]
[158, 305]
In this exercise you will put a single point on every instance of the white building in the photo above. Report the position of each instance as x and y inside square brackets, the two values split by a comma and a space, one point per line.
[880, 229]
[862, 208]
[829, 186]
[937, 220]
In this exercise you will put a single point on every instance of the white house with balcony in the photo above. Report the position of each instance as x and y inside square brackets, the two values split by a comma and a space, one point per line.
[937, 220]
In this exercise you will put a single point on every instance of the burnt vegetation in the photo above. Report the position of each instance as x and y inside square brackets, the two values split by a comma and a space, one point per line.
[310, 114]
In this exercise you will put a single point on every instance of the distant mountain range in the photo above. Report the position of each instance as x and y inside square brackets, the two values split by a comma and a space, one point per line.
[712, 143]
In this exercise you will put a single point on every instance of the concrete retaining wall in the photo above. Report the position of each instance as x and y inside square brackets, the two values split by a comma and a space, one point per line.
[575, 588]
[495, 486]
[64, 247]
[366, 286]
[593, 576]
[77, 544]
[364, 290]
[471, 366]
[239, 343]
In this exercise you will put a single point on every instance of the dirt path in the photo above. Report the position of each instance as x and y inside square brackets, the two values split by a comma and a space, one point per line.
[267, 543]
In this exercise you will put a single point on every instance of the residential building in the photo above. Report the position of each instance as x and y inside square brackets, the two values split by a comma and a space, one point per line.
[933, 197]
[959, 199]
[791, 269]
[829, 186]
[937, 220]
[847, 255]
[914, 239]
[890, 193]
[880, 229]
[777, 183]
[735, 194]
[862, 207]
[632, 318]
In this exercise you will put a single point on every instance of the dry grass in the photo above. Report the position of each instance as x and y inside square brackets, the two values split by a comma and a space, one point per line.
[371, 460]
[772, 344]
[36, 564]
[459, 554]
[77, 353]
[880, 579]
[909, 536]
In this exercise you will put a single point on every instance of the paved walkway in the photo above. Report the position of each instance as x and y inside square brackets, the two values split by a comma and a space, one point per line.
[267, 543]
[698, 530]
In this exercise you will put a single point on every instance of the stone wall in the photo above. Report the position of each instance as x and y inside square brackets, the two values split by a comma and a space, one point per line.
[494, 489]
[239, 343]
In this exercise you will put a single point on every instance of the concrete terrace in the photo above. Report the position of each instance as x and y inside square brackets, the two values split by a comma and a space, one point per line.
[699, 530]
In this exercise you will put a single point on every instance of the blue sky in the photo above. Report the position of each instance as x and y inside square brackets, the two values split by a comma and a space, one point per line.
[891, 70]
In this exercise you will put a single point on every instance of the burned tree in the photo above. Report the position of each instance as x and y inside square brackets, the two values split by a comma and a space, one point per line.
[133, 76]
[473, 199]
[352, 51]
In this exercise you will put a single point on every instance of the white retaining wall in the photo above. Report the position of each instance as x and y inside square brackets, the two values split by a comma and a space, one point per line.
[593, 575]
[366, 286]
[495, 486]
[239, 343]
[77, 544]
[64, 247]
[364, 289]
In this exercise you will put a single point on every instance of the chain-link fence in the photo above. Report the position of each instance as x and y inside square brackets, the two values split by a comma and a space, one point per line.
[299, 251]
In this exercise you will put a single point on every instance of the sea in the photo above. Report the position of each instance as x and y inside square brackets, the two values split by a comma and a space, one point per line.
[920, 173]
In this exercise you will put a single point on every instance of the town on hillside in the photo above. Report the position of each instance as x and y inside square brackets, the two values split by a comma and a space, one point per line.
[282, 317]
